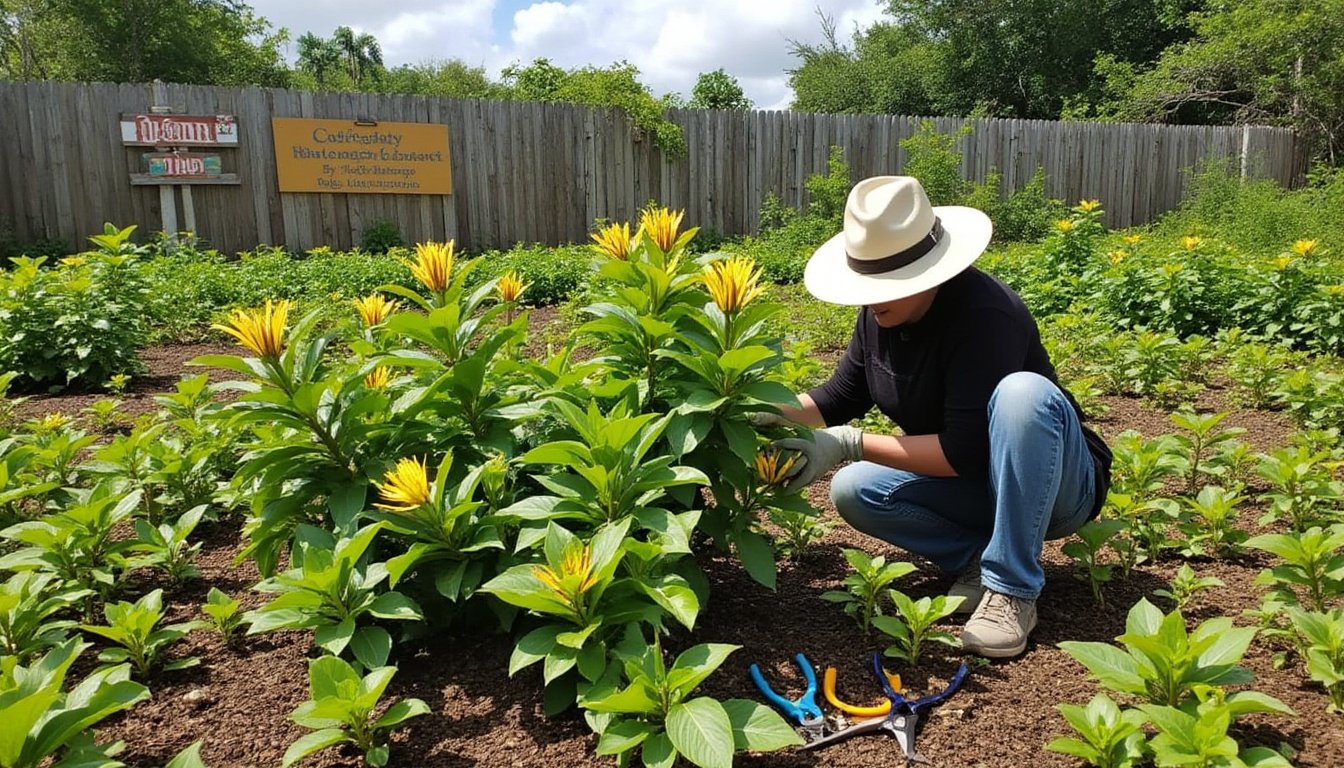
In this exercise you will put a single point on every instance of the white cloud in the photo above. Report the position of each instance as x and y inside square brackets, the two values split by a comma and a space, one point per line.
[670, 41]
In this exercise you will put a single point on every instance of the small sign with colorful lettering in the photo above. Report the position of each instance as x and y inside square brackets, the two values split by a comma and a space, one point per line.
[184, 164]
[166, 130]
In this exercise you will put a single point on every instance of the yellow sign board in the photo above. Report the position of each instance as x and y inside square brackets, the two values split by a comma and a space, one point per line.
[347, 158]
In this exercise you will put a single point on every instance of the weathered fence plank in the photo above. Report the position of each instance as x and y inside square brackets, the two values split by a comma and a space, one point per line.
[544, 172]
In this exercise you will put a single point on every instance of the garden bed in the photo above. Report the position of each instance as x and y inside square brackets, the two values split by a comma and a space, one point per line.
[238, 700]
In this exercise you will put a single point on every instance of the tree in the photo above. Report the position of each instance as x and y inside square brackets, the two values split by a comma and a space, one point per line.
[319, 58]
[361, 53]
[219, 42]
[718, 90]
[1258, 61]
[891, 69]
[453, 78]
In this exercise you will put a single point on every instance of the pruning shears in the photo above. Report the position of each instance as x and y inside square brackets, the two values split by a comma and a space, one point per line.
[902, 717]
[803, 710]
[876, 710]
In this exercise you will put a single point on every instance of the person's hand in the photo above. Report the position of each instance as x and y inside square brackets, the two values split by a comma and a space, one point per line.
[827, 448]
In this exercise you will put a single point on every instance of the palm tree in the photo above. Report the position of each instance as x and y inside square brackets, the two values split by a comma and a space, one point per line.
[318, 57]
[362, 54]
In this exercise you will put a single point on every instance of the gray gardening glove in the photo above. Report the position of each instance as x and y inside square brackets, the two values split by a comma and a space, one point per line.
[827, 448]
[767, 420]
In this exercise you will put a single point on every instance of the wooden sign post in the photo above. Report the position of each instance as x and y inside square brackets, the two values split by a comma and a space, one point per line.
[171, 165]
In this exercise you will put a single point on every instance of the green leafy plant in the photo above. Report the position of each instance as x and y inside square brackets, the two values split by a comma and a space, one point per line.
[188, 758]
[341, 709]
[135, 627]
[30, 604]
[1204, 439]
[77, 544]
[1111, 738]
[1200, 737]
[1211, 526]
[1147, 527]
[1142, 466]
[912, 624]
[1312, 561]
[1322, 635]
[1185, 585]
[166, 546]
[1302, 492]
[1086, 550]
[329, 591]
[222, 612]
[44, 725]
[656, 713]
[1161, 661]
[74, 324]
[863, 588]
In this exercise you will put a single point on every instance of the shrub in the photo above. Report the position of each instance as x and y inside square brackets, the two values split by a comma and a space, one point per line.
[76, 324]
[381, 237]
[551, 274]
[935, 160]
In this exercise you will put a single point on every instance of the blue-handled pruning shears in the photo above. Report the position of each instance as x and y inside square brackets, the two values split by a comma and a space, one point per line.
[804, 710]
[903, 718]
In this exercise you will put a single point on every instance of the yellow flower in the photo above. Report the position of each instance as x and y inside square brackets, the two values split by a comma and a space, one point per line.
[1116, 256]
[661, 225]
[1088, 206]
[576, 566]
[770, 469]
[405, 487]
[1305, 247]
[53, 421]
[433, 265]
[510, 287]
[74, 261]
[378, 378]
[1132, 239]
[1191, 242]
[732, 282]
[614, 241]
[260, 330]
[374, 309]
[1283, 262]
[1064, 225]
[1333, 290]
[1172, 269]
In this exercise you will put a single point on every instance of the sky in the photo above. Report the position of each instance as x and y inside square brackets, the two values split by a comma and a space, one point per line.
[670, 41]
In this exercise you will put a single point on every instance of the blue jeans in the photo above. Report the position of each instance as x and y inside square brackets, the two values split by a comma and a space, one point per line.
[1040, 487]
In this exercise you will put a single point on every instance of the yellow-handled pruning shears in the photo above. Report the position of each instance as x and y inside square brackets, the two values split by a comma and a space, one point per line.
[877, 710]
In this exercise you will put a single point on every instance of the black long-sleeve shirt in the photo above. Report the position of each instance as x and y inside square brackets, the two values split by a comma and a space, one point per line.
[935, 376]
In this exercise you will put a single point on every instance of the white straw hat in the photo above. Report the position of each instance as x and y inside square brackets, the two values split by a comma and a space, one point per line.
[895, 244]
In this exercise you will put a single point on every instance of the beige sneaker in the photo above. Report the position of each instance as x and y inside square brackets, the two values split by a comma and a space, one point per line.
[1000, 626]
[967, 586]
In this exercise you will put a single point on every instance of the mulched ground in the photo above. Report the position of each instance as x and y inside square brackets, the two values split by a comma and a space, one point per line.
[238, 700]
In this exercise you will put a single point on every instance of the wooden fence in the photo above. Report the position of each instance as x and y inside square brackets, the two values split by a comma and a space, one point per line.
[543, 172]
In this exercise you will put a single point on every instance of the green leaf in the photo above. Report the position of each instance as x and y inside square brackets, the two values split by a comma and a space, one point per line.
[334, 637]
[371, 646]
[394, 605]
[757, 557]
[1111, 666]
[533, 647]
[401, 712]
[658, 751]
[312, 742]
[701, 732]
[188, 758]
[622, 736]
[697, 663]
[759, 728]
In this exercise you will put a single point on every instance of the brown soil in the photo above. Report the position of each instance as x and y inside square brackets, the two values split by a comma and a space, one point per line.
[238, 700]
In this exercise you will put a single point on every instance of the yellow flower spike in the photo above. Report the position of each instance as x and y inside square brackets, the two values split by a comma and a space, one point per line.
[1132, 239]
[1064, 225]
[1088, 206]
[1116, 256]
[405, 487]
[1305, 248]
[769, 468]
[510, 287]
[433, 265]
[613, 241]
[550, 579]
[374, 309]
[260, 330]
[1191, 242]
[661, 225]
[577, 565]
[1333, 290]
[1172, 269]
[74, 261]
[53, 421]
[1283, 262]
[732, 282]
[378, 378]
